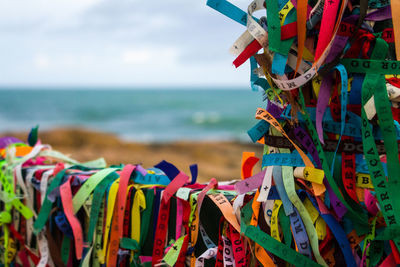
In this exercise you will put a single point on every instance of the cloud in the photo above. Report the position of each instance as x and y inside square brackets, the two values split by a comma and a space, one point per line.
[122, 42]
[157, 56]
[136, 56]
[41, 61]
[35, 15]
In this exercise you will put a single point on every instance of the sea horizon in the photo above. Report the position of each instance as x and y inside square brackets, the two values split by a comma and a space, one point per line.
[124, 88]
[137, 115]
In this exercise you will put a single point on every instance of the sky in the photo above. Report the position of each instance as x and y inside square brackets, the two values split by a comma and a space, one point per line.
[133, 43]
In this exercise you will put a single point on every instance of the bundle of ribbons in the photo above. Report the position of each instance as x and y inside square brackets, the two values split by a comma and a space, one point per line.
[56, 211]
[330, 129]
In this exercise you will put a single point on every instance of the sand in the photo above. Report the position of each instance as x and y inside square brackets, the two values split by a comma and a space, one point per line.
[221, 160]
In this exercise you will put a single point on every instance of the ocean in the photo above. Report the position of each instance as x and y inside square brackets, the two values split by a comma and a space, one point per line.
[145, 115]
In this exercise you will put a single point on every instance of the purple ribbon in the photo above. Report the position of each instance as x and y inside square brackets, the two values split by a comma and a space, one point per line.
[8, 140]
[383, 13]
[274, 110]
[250, 183]
[323, 101]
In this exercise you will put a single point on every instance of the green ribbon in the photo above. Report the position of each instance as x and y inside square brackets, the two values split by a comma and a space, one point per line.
[33, 136]
[371, 66]
[129, 243]
[146, 217]
[274, 27]
[388, 233]
[65, 247]
[375, 252]
[388, 130]
[384, 196]
[284, 221]
[98, 195]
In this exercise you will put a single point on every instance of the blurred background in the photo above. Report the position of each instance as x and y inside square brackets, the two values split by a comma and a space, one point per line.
[154, 74]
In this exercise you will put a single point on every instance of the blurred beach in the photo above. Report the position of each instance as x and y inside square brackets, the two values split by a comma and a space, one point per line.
[202, 126]
[215, 159]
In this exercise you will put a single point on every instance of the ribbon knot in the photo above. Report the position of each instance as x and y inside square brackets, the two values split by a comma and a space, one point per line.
[366, 45]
